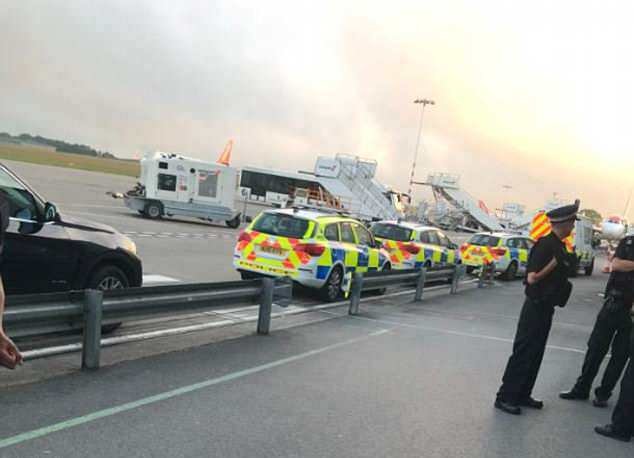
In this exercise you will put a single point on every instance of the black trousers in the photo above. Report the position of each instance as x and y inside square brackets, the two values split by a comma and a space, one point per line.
[613, 326]
[528, 351]
[623, 415]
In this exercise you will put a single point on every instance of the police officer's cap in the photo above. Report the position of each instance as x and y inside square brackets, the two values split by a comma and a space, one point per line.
[565, 213]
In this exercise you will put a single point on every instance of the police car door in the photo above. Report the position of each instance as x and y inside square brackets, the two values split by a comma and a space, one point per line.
[349, 243]
[365, 247]
[444, 248]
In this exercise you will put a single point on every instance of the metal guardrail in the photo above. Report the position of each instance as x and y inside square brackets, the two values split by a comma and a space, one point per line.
[90, 310]
[372, 281]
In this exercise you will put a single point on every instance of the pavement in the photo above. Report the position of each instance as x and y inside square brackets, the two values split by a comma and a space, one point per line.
[400, 379]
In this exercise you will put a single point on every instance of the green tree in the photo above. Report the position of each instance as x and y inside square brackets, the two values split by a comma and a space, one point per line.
[593, 215]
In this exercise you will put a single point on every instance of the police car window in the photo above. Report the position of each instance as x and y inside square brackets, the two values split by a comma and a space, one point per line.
[21, 202]
[363, 235]
[484, 240]
[512, 243]
[166, 182]
[443, 240]
[331, 232]
[282, 225]
[346, 233]
[433, 238]
[391, 232]
[424, 237]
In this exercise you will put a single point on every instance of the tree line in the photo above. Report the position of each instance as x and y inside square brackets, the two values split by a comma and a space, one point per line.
[59, 145]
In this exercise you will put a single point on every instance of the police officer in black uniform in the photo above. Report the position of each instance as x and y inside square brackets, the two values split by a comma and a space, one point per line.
[622, 426]
[613, 325]
[547, 286]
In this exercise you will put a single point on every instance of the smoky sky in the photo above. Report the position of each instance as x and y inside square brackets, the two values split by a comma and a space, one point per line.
[288, 81]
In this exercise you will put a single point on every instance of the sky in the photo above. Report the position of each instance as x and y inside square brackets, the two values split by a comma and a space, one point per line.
[538, 96]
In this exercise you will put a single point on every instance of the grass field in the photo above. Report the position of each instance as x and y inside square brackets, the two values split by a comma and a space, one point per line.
[44, 156]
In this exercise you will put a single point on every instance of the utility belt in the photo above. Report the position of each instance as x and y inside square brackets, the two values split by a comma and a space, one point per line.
[618, 299]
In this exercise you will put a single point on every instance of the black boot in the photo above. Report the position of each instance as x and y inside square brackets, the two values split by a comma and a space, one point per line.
[574, 394]
[611, 431]
[507, 407]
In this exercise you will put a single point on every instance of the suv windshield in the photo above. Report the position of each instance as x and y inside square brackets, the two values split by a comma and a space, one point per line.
[283, 225]
[484, 240]
[392, 232]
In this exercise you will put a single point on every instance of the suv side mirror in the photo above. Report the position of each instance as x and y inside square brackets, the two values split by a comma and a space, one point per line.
[50, 212]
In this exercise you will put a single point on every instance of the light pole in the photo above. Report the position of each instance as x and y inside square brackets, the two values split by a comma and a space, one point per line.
[423, 103]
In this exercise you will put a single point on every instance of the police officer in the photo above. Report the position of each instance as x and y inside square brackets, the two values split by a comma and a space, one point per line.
[547, 286]
[622, 426]
[613, 325]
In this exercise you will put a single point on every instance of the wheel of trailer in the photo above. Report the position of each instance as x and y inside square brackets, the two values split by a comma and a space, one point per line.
[153, 210]
[107, 278]
[233, 223]
[511, 271]
[331, 291]
[589, 269]
[386, 268]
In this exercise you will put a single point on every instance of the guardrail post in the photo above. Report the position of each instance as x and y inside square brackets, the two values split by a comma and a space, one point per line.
[455, 278]
[266, 301]
[91, 348]
[355, 293]
[482, 275]
[420, 284]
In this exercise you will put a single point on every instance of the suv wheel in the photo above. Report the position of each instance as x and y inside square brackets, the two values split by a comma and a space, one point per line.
[107, 278]
[331, 291]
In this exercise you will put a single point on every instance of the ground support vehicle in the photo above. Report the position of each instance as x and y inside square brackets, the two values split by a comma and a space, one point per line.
[174, 185]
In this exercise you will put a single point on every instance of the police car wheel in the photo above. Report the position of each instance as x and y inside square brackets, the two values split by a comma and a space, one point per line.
[511, 272]
[331, 291]
[386, 268]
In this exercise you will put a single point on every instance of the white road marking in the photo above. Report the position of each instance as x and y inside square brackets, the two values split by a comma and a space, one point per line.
[154, 279]
[115, 410]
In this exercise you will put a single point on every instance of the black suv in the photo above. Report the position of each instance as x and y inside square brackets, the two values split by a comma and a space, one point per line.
[46, 252]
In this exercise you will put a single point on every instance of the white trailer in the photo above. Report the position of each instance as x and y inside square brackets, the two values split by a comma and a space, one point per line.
[174, 185]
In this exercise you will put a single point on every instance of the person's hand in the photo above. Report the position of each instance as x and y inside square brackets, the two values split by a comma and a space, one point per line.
[10, 356]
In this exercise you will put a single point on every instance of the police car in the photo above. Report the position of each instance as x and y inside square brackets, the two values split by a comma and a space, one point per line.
[411, 245]
[315, 249]
[508, 253]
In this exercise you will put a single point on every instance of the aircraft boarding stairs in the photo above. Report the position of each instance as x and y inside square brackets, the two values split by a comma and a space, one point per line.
[358, 176]
[447, 186]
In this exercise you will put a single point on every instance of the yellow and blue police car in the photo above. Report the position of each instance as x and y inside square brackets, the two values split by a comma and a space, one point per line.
[315, 249]
[411, 245]
[508, 253]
